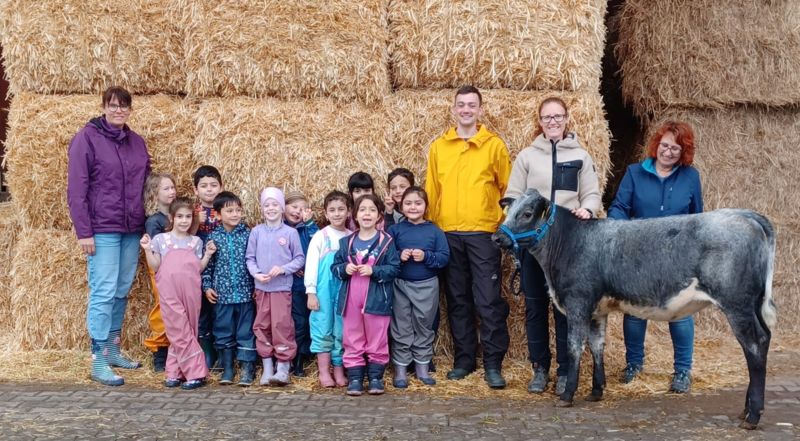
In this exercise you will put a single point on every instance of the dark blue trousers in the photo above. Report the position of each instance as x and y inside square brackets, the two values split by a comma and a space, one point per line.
[233, 329]
[302, 330]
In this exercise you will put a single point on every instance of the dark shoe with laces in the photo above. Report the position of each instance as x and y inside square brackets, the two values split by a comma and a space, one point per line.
[681, 382]
[539, 381]
[630, 372]
[458, 373]
[494, 378]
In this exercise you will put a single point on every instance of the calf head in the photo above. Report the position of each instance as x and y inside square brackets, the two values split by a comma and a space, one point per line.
[525, 215]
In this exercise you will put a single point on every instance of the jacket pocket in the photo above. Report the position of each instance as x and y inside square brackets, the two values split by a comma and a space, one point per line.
[567, 175]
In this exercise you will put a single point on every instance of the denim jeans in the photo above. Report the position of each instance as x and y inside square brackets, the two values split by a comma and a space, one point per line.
[111, 271]
[681, 331]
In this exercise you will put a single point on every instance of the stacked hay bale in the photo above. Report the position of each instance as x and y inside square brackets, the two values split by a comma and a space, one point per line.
[731, 72]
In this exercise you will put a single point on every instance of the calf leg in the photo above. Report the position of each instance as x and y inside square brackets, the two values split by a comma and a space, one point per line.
[754, 340]
[597, 343]
[577, 330]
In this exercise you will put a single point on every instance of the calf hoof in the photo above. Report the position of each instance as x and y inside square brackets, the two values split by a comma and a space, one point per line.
[563, 403]
[594, 398]
[743, 416]
[748, 425]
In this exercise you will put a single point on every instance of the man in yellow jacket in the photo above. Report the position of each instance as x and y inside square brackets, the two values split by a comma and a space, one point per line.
[468, 169]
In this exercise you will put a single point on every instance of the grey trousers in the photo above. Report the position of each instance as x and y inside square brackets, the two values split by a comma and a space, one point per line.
[415, 305]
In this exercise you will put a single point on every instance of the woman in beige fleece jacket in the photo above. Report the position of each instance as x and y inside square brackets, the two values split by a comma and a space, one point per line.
[558, 167]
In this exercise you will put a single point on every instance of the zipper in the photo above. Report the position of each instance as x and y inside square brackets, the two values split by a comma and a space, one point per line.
[554, 156]
[124, 186]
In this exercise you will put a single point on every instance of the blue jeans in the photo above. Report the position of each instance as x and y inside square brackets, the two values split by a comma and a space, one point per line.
[111, 271]
[681, 331]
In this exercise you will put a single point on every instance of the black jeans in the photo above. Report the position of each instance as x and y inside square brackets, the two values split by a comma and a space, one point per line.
[472, 285]
[537, 319]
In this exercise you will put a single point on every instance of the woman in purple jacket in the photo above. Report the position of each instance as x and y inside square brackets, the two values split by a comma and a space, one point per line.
[108, 164]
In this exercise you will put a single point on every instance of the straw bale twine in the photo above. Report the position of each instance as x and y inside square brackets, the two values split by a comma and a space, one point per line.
[41, 127]
[287, 49]
[71, 46]
[542, 45]
[708, 54]
[50, 293]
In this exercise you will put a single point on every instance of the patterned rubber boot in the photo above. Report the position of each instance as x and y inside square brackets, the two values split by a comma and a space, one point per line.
[115, 357]
[101, 371]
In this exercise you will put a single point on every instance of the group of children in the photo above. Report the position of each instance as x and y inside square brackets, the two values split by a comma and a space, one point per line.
[285, 289]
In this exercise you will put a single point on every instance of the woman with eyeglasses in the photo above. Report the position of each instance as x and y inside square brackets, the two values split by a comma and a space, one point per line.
[558, 167]
[663, 184]
[108, 164]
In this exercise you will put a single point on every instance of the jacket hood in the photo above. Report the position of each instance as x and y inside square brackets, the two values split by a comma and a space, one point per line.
[570, 141]
[479, 138]
[101, 124]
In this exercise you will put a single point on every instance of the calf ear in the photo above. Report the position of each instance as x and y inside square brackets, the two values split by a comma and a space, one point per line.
[506, 202]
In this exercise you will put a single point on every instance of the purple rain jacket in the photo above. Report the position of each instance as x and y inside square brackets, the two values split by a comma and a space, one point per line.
[105, 178]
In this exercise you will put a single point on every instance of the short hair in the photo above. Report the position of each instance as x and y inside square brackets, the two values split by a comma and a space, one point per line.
[402, 172]
[684, 136]
[337, 195]
[375, 200]
[360, 180]
[123, 96]
[151, 190]
[206, 171]
[177, 204]
[552, 99]
[420, 192]
[225, 198]
[466, 90]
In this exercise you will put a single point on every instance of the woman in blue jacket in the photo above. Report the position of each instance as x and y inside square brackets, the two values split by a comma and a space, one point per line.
[664, 184]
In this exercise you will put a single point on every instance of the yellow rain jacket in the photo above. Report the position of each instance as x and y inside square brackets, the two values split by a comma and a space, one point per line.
[465, 181]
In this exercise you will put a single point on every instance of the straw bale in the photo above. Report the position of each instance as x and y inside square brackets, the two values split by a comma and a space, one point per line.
[310, 145]
[287, 49]
[41, 127]
[72, 46]
[9, 226]
[521, 45]
[50, 292]
[418, 117]
[705, 54]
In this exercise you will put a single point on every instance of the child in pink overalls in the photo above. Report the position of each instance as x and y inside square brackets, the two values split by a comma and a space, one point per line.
[367, 263]
[178, 259]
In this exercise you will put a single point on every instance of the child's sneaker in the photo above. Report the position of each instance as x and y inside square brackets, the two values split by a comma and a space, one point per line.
[193, 384]
[172, 382]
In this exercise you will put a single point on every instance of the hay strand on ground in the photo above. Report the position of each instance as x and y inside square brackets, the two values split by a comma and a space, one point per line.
[286, 49]
[69, 46]
[520, 45]
[41, 127]
[706, 54]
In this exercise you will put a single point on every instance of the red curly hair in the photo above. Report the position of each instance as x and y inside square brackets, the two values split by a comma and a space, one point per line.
[684, 136]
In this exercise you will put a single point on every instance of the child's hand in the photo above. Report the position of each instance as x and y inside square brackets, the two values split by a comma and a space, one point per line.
[365, 270]
[211, 248]
[201, 214]
[388, 203]
[312, 302]
[405, 255]
[350, 269]
[308, 214]
[275, 272]
[261, 278]
[418, 255]
[145, 242]
[299, 273]
[211, 295]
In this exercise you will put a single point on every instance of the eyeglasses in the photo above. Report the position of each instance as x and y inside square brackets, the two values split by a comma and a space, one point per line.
[674, 148]
[557, 118]
[117, 107]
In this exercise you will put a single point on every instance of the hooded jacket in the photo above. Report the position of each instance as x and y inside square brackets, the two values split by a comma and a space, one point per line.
[380, 294]
[227, 271]
[563, 171]
[105, 178]
[465, 181]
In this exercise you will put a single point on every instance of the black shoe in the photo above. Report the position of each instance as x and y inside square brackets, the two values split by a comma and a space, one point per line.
[193, 384]
[160, 360]
[298, 368]
[172, 382]
[375, 374]
[228, 371]
[458, 373]
[494, 378]
[248, 373]
[539, 381]
[355, 381]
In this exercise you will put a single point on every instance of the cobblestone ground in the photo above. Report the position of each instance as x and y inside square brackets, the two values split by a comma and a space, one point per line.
[60, 412]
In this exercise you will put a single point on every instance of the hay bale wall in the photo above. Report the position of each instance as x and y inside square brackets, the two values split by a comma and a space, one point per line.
[708, 54]
[9, 228]
[41, 127]
[69, 46]
[520, 45]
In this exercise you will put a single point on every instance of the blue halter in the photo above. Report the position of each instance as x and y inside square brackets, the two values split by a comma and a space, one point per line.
[536, 236]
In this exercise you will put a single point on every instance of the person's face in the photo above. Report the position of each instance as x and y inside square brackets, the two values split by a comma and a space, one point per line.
[358, 192]
[669, 151]
[337, 213]
[413, 207]
[207, 189]
[271, 210]
[367, 215]
[182, 220]
[231, 215]
[116, 114]
[467, 109]
[166, 192]
[549, 118]
[294, 211]
[397, 186]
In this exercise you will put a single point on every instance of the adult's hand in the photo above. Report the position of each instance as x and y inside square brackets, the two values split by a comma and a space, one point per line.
[87, 245]
[582, 213]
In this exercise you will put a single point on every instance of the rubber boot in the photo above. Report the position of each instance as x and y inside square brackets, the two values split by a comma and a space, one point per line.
[248, 373]
[281, 377]
[423, 374]
[209, 351]
[400, 377]
[324, 365]
[375, 374]
[268, 371]
[339, 376]
[115, 357]
[355, 381]
[101, 371]
[228, 371]
[297, 366]
[160, 360]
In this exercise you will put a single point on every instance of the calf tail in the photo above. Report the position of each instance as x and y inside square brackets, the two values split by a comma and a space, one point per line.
[769, 314]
